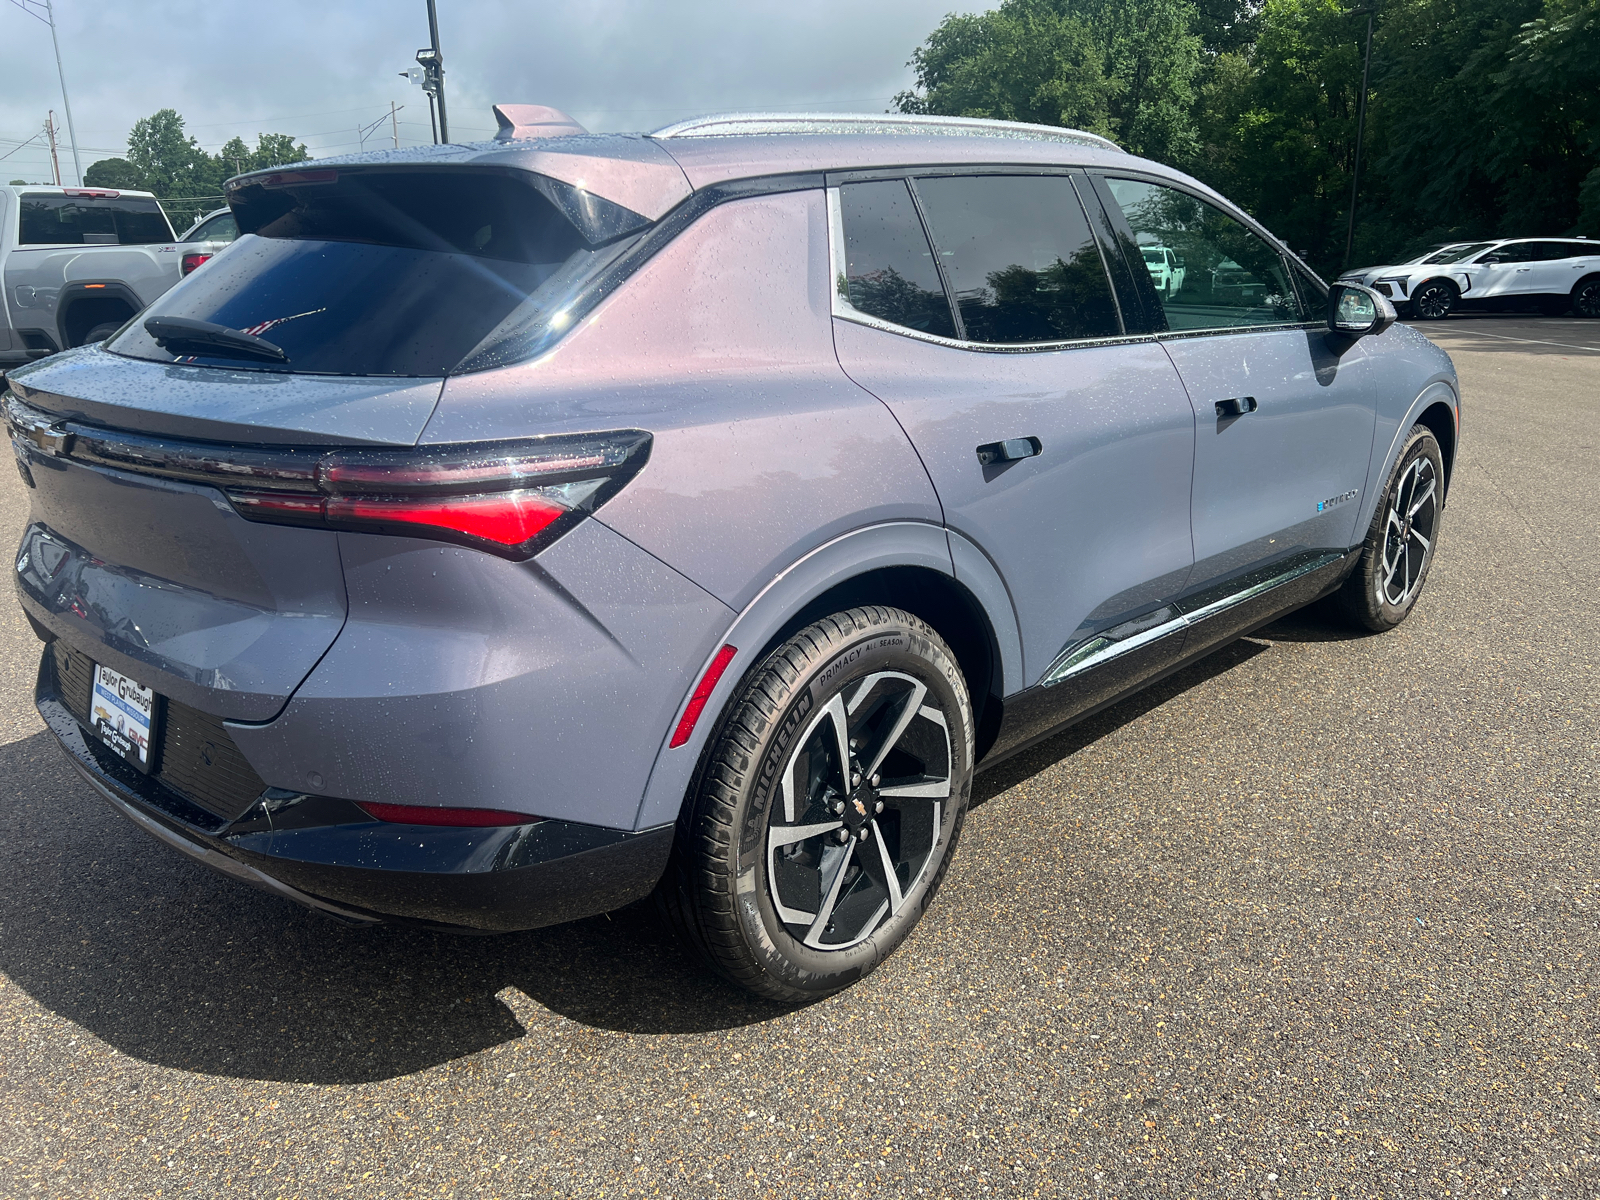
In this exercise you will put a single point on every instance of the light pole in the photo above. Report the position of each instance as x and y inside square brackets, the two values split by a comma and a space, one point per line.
[436, 65]
[1361, 128]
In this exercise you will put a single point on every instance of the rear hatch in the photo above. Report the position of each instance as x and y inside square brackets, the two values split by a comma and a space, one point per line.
[327, 329]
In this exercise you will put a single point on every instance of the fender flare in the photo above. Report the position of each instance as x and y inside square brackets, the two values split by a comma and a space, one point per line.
[92, 289]
[890, 544]
[1438, 391]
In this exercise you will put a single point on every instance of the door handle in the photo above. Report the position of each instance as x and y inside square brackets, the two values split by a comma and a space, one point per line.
[1009, 451]
[1236, 406]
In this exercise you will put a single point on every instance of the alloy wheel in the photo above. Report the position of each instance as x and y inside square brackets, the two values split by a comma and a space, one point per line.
[858, 819]
[1434, 301]
[1408, 532]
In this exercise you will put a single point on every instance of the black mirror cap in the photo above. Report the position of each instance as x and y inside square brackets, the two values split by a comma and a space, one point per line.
[1357, 311]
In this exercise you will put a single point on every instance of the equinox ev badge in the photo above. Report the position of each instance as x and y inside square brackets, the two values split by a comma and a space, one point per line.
[1341, 498]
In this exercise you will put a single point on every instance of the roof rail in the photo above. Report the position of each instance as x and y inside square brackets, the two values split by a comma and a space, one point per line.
[737, 124]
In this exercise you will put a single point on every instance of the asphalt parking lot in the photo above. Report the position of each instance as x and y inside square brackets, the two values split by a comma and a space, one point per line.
[1317, 917]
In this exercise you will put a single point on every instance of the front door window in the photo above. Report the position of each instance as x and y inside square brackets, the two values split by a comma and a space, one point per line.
[1209, 271]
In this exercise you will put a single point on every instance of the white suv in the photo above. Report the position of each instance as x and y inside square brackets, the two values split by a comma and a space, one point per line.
[1551, 274]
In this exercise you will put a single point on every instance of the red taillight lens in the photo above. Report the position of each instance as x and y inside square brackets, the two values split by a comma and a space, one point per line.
[191, 261]
[513, 499]
[508, 518]
[427, 814]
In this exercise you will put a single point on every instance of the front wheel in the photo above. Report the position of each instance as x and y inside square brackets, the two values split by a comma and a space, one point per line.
[828, 807]
[1434, 300]
[1383, 589]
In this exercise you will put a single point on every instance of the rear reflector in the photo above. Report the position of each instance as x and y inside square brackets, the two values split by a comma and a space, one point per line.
[427, 814]
[702, 693]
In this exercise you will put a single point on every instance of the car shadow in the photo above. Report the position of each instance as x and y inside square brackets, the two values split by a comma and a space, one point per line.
[176, 966]
[173, 965]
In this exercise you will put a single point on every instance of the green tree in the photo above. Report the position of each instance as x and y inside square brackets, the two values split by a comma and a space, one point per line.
[169, 162]
[1123, 70]
[113, 173]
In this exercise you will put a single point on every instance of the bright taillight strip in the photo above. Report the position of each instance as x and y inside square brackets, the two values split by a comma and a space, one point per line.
[427, 814]
[511, 498]
[702, 693]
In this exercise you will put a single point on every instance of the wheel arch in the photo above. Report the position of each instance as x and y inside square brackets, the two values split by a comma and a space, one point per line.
[1441, 419]
[904, 564]
[83, 304]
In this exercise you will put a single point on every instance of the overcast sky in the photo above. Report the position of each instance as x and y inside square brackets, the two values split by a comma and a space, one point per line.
[318, 70]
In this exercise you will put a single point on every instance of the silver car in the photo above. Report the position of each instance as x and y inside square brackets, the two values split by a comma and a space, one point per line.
[499, 534]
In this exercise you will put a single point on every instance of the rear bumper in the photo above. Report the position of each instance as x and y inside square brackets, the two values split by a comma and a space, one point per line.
[328, 855]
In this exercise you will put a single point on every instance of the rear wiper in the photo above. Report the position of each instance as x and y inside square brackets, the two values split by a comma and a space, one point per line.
[188, 336]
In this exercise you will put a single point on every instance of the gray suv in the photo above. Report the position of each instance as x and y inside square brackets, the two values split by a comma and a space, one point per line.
[498, 534]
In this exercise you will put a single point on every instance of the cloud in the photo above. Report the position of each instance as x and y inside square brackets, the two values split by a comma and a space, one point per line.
[317, 71]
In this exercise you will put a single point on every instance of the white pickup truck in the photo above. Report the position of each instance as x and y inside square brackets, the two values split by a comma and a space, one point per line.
[77, 263]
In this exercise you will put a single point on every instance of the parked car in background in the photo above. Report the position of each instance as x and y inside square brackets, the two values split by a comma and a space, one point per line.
[1166, 268]
[1550, 275]
[206, 237]
[1231, 281]
[490, 542]
[76, 264]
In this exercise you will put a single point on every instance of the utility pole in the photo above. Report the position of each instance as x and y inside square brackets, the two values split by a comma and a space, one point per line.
[1361, 127]
[437, 66]
[31, 7]
[394, 123]
[50, 132]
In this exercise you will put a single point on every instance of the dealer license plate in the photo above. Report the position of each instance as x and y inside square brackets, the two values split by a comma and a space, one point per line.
[123, 715]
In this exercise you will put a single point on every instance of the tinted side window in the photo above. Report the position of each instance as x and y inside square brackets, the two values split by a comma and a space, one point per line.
[51, 220]
[220, 228]
[1218, 274]
[1516, 252]
[1020, 258]
[889, 268]
[1553, 251]
[1313, 294]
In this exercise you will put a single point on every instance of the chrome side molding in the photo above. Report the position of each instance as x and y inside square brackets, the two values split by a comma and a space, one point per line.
[1109, 644]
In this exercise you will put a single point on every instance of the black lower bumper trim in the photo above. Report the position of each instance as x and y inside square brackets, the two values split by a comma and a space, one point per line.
[327, 855]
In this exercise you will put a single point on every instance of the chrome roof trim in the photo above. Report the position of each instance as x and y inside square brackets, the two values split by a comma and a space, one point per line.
[741, 124]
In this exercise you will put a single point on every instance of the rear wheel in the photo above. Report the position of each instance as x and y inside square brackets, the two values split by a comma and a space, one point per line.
[828, 807]
[1398, 551]
[1434, 300]
[1586, 297]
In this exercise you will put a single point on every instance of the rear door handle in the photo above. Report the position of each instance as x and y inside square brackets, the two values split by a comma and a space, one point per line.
[1236, 406]
[1009, 450]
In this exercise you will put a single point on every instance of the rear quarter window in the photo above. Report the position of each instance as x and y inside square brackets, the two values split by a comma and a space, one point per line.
[890, 271]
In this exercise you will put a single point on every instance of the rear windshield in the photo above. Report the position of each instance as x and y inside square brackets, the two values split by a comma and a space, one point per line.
[51, 220]
[389, 272]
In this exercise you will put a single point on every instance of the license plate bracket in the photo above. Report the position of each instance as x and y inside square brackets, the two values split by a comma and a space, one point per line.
[125, 715]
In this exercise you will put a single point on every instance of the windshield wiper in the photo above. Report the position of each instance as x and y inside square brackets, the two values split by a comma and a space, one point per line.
[185, 335]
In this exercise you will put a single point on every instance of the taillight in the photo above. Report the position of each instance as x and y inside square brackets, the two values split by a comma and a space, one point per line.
[509, 498]
[191, 261]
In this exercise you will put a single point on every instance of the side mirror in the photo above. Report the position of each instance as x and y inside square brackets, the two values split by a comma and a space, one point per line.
[1357, 311]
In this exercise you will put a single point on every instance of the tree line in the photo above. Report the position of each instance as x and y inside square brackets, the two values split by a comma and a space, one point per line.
[1483, 116]
[165, 160]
